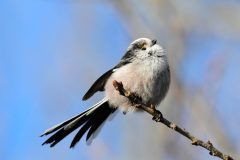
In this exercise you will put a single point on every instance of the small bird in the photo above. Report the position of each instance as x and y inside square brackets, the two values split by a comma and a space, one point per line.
[143, 70]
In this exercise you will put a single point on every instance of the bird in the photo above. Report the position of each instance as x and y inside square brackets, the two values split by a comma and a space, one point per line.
[143, 70]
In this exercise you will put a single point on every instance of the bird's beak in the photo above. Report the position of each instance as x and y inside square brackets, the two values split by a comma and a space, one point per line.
[154, 41]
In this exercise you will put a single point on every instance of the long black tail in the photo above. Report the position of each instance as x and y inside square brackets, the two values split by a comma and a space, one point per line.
[89, 120]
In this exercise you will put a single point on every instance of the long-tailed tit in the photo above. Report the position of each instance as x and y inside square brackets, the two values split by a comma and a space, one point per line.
[143, 70]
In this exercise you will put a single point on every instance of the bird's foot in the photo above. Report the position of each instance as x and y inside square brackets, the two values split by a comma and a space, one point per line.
[157, 114]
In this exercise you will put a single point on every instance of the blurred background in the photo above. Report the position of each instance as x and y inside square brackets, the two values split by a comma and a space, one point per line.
[52, 51]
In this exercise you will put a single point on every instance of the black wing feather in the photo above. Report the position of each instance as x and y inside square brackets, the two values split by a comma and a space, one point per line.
[98, 85]
[62, 133]
[98, 120]
[81, 132]
[57, 127]
[89, 121]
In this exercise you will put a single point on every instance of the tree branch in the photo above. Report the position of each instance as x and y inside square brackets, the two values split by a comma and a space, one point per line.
[157, 116]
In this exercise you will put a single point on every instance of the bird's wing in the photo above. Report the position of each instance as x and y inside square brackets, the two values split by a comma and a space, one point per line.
[99, 84]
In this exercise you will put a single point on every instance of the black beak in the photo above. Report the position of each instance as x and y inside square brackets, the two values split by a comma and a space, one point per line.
[154, 41]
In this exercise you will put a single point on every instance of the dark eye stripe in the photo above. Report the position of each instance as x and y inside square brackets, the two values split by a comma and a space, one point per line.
[139, 45]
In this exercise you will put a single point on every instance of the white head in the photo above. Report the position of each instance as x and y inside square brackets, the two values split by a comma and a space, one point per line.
[145, 47]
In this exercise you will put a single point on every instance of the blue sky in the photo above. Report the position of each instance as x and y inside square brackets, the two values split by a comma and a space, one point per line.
[31, 35]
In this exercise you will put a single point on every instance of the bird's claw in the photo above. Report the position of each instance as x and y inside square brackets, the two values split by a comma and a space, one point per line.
[157, 116]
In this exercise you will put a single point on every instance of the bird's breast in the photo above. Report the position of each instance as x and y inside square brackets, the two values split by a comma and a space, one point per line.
[144, 79]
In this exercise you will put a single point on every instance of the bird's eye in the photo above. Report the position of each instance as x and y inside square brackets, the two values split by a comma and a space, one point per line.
[141, 46]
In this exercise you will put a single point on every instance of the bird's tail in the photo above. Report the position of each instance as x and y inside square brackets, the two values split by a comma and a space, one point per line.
[89, 120]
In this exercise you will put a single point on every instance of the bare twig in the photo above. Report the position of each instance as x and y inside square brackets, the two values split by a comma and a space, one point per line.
[157, 116]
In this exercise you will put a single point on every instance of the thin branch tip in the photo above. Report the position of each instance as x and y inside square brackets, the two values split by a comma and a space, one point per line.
[158, 117]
